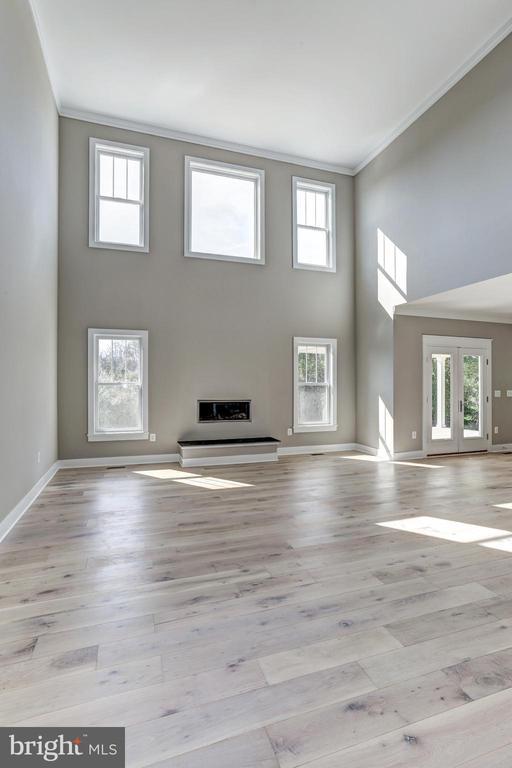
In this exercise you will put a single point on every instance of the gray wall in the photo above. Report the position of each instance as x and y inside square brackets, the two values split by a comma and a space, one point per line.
[28, 258]
[216, 329]
[442, 193]
[409, 372]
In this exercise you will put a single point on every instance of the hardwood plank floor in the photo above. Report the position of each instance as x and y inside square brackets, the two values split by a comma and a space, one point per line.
[268, 619]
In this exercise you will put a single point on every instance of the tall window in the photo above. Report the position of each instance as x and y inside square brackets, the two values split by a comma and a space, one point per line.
[118, 196]
[224, 211]
[118, 374]
[314, 385]
[314, 226]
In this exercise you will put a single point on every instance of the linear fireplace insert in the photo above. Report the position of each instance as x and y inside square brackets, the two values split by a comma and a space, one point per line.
[223, 410]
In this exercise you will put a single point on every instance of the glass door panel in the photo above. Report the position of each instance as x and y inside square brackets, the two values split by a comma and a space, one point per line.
[472, 395]
[441, 396]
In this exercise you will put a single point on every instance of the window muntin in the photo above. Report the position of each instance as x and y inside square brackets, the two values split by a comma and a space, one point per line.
[313, 225]
[119, 178]
[224, 211]
[117, 385]
[315, 385]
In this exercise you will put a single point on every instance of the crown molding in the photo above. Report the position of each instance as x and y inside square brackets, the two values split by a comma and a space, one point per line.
[425, 105]
[475, 316]
[205, 141]
[50, 69]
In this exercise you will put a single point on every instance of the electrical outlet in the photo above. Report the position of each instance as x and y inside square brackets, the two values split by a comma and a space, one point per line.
[497, 393]
[509, 392]
[496, 430]
[413, 435]
[152, 437]
[290, 431]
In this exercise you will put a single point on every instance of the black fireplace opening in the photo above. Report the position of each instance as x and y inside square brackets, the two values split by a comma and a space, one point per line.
[223, 410]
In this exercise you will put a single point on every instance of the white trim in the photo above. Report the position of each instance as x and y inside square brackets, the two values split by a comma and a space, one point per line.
[119, 461]
[255, 175]
[241, 458]
[298, 450]
[205, 141]
[92, 335]
[332, 368]
[496, 38]
[417, 311]
[330, 191]
[50, 69]
[370, 450]
[500, 447]
[123, 150]
[409, 455]
[12, 517]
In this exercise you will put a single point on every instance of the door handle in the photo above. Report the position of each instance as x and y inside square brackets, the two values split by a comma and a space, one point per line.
[460, 406]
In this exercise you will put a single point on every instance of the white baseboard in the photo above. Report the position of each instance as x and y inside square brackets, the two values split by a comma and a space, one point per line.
[500, 448]
[119, 461]
[242, 458]
[365, 449]
[21, 507]
[409, 455]
[296, 450]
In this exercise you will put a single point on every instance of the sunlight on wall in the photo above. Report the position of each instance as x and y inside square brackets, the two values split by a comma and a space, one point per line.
[451, 530]
[385, 431]
[391, 274]
[192, 478]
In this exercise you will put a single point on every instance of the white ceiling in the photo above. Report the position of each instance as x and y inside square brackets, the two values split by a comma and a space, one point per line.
[332, 81]
[490, 300]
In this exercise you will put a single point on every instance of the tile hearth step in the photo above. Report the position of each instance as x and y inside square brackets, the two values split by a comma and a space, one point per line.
[239, 450]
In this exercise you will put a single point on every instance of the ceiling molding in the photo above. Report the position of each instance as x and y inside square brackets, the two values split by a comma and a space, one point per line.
[425, 105]
[206, 141]
[44, 50]
[403, 310]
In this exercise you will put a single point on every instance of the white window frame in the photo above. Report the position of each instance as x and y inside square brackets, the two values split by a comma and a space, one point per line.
[332, 369]
[237, 171]
[93, 335]
[122, 150]
[328, 189]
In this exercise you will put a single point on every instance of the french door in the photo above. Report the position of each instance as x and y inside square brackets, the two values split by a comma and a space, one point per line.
[456, 394]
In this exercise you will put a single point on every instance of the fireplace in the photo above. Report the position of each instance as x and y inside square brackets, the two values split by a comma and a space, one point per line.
[223, 410]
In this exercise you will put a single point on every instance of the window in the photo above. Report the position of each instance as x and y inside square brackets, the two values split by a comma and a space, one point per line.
[118, 196]
[118, 395]
[224, 211]
[314, 226]
[314, 385]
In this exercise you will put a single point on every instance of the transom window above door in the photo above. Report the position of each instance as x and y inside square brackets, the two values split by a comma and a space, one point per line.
[118, 196]
[314, 226]
[224, 211]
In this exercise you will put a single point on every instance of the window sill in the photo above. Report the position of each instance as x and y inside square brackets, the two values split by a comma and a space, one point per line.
[221, 257]
[116, 436]
[118, 246]
[313, 268]
[316, 428]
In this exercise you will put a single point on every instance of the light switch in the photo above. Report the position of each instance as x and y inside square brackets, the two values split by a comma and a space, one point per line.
[509, 392]
[497, 393]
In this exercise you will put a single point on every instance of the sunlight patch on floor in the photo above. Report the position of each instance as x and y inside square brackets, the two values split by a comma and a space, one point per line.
[380, 459]
[192, 478]
[450, 530]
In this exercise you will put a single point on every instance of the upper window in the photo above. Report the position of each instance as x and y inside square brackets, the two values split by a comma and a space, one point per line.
[314, 226]
[118, 196]
[224, 207]
[118, 374]
[314, 385]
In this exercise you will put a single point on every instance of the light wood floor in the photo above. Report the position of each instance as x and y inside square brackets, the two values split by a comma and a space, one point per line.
[264, 618]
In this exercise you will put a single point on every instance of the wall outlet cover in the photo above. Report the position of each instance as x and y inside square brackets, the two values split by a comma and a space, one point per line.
[413, 435]
[496, 430]
[152, 437]
[497, 393]
[509, 392]
[290, 431]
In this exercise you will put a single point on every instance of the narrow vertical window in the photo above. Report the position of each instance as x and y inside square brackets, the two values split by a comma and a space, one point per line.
[315, 385]
[118, 399]
[314, 226]
[118, 196]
